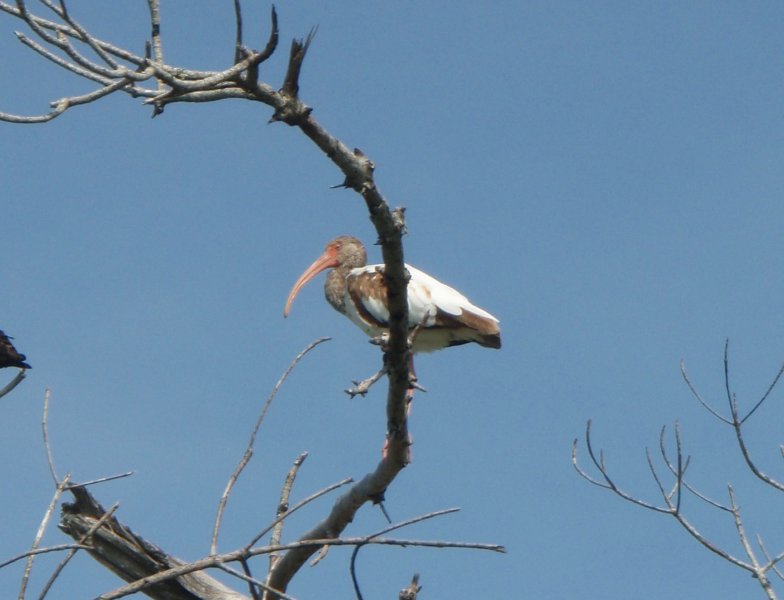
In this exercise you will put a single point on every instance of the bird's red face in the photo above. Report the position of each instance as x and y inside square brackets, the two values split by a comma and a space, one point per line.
[330, 259]
[345, 251]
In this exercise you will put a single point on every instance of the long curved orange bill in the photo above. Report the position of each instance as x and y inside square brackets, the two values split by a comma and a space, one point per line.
[323, 262]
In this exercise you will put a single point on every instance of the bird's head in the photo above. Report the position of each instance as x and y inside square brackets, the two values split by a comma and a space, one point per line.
[344, 252]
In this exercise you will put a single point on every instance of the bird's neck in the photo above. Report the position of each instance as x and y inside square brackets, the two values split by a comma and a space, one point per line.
[335, 288]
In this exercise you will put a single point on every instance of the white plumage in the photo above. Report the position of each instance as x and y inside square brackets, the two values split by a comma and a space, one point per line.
[428, 299]
[444, 317]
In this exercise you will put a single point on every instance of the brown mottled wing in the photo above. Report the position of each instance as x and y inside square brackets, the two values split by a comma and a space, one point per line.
[447, 317]
[9, 357]
[368, 292]
[477, 328]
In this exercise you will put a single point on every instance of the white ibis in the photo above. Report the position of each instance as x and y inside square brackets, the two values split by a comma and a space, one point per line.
[9, 357]
[443, 315]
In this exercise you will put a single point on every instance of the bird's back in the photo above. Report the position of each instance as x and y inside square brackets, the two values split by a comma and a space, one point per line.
[446, 316]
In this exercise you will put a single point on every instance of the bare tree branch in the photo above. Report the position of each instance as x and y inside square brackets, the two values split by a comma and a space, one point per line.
[248, 454]
[283, 506]
[671, 508]
[160, 575]
[46, 550]
[608, 482]
[40, 533]
[683, 482]
[673, 498]
[134, 559]
[736, 421]
[697, 395]
[772, 562]
[355, 553]
[155, 31]
[45, 431]
[80, 545]
[14, 382]
[757, 570]
[252, 582]
[295, 508]
[101, 480]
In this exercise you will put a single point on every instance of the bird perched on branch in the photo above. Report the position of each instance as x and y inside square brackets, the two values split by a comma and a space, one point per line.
[9, 357]
[441, 315]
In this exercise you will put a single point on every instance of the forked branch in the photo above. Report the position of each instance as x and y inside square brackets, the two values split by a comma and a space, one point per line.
[673, 496]
[736, 421]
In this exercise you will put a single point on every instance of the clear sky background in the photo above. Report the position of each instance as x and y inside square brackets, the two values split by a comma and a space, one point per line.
[604, 177]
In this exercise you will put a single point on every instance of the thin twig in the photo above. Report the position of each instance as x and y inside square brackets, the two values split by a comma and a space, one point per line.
[699, 397]
[14, 382]
[680, 469]
[296, 507]
[86, 37]
[609, 484]
[100, 480]
[238, 33]
[248, 454]
[253, 582]
[683, 481]
[759, 573]
[47, 445]
[654, 473]
[46, 550]
[352, 564]
[765, 395]
[155, 31]
[772, 562]
[283, 505]
[40, 533]
[737, 425]
[671, 508]
[215, 560]
[736, 421]
[254, 590]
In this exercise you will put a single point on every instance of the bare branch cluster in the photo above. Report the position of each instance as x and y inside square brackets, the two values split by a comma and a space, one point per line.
[146, 568]
[757, 561]
[60, 38]
[141, 75]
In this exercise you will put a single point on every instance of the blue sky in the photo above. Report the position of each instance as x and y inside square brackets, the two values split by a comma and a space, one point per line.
[604, 177]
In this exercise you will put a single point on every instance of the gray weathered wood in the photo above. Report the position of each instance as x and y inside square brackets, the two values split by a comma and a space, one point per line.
[131, 557]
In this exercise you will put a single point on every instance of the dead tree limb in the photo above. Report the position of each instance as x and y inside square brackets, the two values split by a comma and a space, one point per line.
[162, 576]
[132, 558]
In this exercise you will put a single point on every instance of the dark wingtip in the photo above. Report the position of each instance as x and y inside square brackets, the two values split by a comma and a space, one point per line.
[492, 341]
[15, 363]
